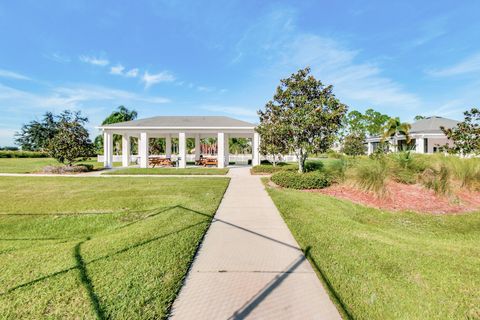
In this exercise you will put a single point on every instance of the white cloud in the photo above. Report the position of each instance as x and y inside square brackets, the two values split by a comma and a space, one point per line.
[151, 79]
[205, 89]
[12, 75]
[282, 49]
[468, 65]
[94, 60]
[132, 73]
[118, 69]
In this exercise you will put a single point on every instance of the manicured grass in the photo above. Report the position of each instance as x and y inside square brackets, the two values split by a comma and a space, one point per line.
[170, 171]
[385, 265]
[85, 248]
[31, 165]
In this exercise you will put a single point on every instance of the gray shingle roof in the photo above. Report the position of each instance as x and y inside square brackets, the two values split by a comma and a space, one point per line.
[432, 125]
[183, 122]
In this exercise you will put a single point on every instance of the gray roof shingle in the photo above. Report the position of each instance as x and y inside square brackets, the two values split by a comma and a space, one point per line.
[183, 122]
[432, 125]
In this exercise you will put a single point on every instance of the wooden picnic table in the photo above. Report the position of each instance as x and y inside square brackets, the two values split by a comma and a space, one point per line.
[156, 161]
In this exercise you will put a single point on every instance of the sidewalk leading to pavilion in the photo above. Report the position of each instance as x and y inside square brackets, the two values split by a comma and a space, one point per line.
[249, 264]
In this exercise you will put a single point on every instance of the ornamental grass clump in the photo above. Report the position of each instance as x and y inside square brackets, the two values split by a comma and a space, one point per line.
[466, 171]
[371, 176]
[437, 179]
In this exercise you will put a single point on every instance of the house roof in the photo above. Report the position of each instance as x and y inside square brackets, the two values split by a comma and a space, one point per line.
[183, 122]
[432, 125]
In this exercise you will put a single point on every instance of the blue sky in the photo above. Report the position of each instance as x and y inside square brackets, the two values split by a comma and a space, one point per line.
[226, 57]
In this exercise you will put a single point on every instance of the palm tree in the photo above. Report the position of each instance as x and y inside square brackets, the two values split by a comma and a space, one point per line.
[394, 127]
[122, 114]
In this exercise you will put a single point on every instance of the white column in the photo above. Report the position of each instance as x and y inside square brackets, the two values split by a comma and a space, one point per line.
[256, 149]
[221, 150]
[419, 145]
[125, 150]
[226, 147]
[168, 146]
[197, 146]
[370, 148]
[182, 150]
[143, 149]
[107, 149]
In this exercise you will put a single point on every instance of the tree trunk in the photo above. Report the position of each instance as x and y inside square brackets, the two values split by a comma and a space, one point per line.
[274, 162]
[301, 157]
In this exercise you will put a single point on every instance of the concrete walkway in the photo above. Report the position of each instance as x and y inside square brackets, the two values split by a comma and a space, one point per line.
[249, 265]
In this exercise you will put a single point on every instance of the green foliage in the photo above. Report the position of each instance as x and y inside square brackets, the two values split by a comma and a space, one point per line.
[268, 168]
[395, 127]
[239, 146]
[337, 169]
[36, 135]
[71, 143]
[418, 117]
[370, 123]
[23, 154]
[466, 136]
[467, 171]
[122, 114]
[296, 180]
[371, 175]
[354, 145]
[304, 116]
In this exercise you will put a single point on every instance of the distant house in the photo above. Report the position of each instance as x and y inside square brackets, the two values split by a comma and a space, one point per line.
[426, 136]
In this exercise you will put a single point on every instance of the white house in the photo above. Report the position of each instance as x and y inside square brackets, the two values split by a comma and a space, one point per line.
[426, 136]
[181, 127]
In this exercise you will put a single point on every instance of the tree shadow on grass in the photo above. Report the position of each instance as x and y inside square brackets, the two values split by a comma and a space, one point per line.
[86, 281]
[84, 264]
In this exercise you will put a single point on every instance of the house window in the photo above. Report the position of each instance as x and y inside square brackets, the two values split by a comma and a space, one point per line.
[425, 145]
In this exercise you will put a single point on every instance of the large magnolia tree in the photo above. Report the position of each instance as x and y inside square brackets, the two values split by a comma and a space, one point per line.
[304, 116]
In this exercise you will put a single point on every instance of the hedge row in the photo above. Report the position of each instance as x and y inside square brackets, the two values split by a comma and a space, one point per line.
[295, 180]
[267, 168]
[22, 154]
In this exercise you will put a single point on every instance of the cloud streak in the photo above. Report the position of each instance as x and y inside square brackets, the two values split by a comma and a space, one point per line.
[468, 65]
[152, 79]
[94, 60]
[12, 75]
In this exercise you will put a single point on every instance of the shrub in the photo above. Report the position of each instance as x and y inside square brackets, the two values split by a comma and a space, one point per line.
[337, 169]
[22, 154]
[67, 169]
[313, 166]
[437, 179]
[295, 180]
[371, 176]
[281, 166]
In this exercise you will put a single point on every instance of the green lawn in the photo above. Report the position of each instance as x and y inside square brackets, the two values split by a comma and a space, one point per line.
[88, 248]
[386, 265]
[170, 171]
[31, 165]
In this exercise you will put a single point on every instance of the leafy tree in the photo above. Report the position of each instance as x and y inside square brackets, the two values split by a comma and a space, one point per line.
[466, 135]
[418, 117]
[395, 127]
[239, 145]
[272, 140]
[122, 114]
[375, 122]
[305, 115]
[71, 142]
[354, 145]
[35, 135]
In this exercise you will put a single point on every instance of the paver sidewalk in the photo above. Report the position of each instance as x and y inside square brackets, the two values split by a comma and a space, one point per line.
[249, 265]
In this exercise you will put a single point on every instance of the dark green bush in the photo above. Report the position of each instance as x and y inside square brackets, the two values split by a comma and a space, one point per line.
[22, 154]
[295, 180]
[313, 166]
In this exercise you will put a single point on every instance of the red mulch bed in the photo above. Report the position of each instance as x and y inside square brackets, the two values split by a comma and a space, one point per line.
[408, 197]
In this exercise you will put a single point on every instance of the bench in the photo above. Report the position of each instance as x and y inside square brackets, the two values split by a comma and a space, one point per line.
[160, 162]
